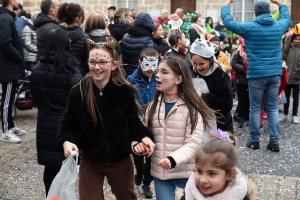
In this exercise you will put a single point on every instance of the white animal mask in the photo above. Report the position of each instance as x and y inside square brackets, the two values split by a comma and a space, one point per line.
[149, 63]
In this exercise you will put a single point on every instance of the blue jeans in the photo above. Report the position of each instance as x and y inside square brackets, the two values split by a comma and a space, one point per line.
[28, 66]
[268, 86]
[165, 189]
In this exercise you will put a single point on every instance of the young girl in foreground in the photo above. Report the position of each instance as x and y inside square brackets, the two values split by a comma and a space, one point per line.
[176, 117]
[102, 119]
[216, 176]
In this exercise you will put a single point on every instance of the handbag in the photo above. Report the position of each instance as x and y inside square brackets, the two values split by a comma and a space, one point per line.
[64, 183]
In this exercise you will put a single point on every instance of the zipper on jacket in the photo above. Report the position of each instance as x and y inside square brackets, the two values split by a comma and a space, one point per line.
[101, 94]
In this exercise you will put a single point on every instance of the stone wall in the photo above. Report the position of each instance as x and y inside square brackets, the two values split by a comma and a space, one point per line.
[143, 5]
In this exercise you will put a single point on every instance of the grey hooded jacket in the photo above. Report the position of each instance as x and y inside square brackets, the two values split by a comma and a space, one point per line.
[29, 39]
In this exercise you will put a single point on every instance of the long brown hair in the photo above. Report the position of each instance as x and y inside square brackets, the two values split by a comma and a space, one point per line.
[187, 92]
[86, 84]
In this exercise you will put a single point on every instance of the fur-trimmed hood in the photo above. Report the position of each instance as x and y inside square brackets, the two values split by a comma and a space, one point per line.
[236, 189]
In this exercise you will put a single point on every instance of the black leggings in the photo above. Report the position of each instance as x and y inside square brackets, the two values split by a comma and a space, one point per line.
[287, 91]
[49, 175]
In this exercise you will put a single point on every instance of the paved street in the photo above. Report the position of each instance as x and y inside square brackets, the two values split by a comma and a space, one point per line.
[277, 174]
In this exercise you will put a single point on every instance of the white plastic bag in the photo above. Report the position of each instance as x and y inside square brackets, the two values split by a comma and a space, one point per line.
[64, 183]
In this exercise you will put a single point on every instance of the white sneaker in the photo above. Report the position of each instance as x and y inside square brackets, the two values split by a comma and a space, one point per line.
[17, 131]
[296, 120]
[283, 118]
[9, 137]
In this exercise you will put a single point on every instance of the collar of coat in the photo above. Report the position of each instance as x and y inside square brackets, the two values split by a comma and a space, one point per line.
[179, 101]
[235, 190]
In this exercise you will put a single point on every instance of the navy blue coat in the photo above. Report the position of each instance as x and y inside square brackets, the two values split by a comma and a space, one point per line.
[12, 66]
[133, 43]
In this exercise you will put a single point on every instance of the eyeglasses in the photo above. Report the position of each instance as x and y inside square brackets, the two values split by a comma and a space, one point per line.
[162, 72]
[101, 63]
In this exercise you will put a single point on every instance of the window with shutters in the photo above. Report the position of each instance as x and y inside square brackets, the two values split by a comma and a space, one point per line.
[243, 10]
[131, 4]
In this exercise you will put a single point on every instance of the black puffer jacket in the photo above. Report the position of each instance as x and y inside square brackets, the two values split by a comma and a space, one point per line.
[110, 139]
[133, 43]
[78, 47]
[98, 35]
[160, 45]
[50, 91]
[44, 25]
[12, 64]
[118, 30]
[237, 65]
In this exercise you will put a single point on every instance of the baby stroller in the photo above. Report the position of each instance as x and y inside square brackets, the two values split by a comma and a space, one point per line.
[22, 103]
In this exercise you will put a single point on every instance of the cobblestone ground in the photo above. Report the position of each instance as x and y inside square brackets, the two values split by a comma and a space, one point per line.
[277, 174]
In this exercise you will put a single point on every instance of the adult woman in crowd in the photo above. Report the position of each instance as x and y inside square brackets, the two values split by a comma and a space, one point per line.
[73, 15]
[120, 22]
[51, 80]
[139, 37]
[197, 29]
[158, 35]
[95, 27]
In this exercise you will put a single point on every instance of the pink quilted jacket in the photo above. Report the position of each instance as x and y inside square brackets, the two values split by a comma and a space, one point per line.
[172, 137]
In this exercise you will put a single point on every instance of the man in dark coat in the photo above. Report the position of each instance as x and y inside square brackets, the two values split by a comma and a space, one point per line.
[45, 22]
[12, 68]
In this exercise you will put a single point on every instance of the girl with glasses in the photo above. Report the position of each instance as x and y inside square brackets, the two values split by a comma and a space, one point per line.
[101, 119]
[176, 117]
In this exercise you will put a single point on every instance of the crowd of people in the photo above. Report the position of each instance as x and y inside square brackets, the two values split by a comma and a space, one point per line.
[161, 90]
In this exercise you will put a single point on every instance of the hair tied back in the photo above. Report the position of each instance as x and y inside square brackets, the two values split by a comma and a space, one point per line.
[223, 136]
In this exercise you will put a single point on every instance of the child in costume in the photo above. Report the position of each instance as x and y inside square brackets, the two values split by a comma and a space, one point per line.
[143, 79]
[216, 176]
[219, 97]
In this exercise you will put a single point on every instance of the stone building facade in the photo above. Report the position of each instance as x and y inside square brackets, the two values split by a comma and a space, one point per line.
[206, 7]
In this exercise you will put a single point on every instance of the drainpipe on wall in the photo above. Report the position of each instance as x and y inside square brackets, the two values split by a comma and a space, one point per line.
[96, 5]
[204, 11]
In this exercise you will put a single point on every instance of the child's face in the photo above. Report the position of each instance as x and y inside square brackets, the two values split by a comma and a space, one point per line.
[149, 65]
[166, 80]
[175, 17]
[159, 33]
[172, 16]
[182, 42]
[201, 64]
[211, 180]
[297, 40]
[101, 65]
